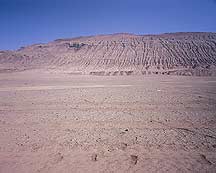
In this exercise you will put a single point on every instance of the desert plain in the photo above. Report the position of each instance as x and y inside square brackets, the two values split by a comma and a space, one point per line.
[58, 122]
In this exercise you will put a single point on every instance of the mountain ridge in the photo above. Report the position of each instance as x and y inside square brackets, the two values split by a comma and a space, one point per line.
[181, 53]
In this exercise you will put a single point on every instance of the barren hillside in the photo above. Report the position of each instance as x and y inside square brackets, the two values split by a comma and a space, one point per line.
[120, 54]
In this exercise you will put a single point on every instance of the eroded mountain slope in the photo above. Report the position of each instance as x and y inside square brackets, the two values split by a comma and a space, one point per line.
[121, 54]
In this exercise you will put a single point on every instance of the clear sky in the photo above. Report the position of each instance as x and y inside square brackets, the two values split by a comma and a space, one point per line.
[24, 22]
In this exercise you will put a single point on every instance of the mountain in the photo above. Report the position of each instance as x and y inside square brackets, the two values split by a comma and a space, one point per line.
[120, 54]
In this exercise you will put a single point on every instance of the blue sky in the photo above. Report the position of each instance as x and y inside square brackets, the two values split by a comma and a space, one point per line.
[24, 22]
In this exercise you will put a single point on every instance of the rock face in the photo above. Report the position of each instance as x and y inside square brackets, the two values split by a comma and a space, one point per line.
[121, 54]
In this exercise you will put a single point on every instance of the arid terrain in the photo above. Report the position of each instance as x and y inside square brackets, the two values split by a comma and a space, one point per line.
[188, 54]
[110, 103]
[80, 123]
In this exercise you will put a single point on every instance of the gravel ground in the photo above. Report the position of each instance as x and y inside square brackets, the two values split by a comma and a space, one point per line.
[71, 123]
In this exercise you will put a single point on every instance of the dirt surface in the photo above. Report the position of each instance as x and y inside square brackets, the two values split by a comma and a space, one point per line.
[71, 123]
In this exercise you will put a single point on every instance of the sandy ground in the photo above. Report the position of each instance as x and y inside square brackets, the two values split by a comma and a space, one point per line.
[63, 123]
